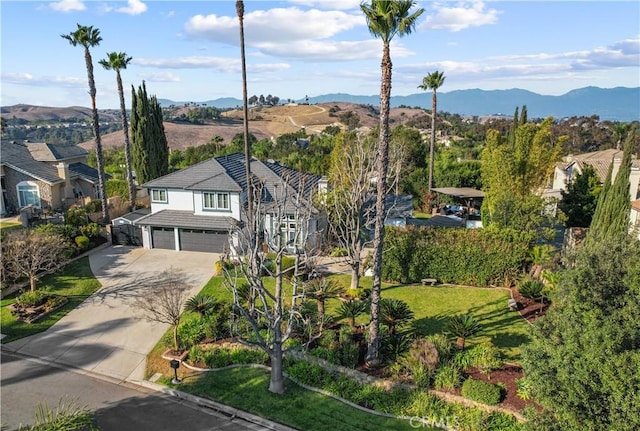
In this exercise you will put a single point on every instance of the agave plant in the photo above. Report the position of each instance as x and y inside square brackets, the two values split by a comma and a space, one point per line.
[351, 309]
[394, 313]
[201, 303]
[462, 326]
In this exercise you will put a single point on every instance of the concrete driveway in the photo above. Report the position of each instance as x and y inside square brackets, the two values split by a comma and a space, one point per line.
[106, 334]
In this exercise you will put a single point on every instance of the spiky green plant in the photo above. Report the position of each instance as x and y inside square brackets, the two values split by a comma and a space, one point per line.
[394, 313]
[462, 326]
[351, 309]
[201, 303]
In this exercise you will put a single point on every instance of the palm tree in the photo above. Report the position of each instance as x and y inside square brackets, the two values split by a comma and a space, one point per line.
[201, 303]
[432, 81]
[394, 312]
[118, 61]
[245, 111]
[385, 19]
[321, 289]
[462, 327]
[351, 309]
[88, 37]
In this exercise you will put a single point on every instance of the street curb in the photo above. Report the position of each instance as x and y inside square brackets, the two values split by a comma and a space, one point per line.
[213, 405]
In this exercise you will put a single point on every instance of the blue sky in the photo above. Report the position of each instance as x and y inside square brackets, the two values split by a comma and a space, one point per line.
[188, 50]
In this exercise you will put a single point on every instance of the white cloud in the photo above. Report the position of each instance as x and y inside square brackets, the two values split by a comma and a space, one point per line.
[326, 51]
[329, 4]
[134, 7]
[220, 64]
[459, 17]
[28, 79]
[278, 25]
[68, 5]
[160, 77]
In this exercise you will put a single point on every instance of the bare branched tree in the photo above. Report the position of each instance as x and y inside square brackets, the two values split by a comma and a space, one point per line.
[31, 254]
[349, 215]
[164, 301]
[271, 316]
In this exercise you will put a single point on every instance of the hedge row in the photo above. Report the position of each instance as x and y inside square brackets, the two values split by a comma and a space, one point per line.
[478, 257]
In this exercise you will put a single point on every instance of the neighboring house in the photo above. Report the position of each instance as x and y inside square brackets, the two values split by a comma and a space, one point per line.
[572, 166]
[44, 176]
[194, 209]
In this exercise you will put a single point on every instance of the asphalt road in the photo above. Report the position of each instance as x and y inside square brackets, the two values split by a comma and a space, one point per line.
[25, 383]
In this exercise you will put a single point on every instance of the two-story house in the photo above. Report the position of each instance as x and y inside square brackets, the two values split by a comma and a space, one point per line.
[42, 175]
[194, 209]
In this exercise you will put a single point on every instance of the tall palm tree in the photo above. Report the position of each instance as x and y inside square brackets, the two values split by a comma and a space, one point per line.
[432, 81]
[118, 61]
[88, 37]
[385, 19]
[245, 111]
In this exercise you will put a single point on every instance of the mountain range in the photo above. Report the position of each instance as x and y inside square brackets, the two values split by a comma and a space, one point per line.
[616, 104]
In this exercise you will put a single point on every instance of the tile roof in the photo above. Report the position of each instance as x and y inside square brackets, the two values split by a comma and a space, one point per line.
[599, 160]
[185, 220]
[45, 152]
[17, 156]
[228, 173]
[86, 172]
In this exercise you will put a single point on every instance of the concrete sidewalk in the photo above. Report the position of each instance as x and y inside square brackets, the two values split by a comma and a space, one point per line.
[105, 334]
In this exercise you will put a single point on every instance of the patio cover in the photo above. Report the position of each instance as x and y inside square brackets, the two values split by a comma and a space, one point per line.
[460, 192]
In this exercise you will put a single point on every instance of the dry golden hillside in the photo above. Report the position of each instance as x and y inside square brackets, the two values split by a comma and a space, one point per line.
[271, 122]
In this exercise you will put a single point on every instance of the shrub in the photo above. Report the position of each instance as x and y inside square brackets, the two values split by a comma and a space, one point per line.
[395, 345]
[348, 350]
[32, 298]
[82, 242]
[217, 358]
[196, 355]
[93, 206]
[65, 230]
[308, 374]
[326, 354]
[447, 377]
[531, 289]
[339, 252]
[190, 333]
[486, 357]
[240, 355]
[76, 216]
[482, 392]
[523, 388]
[91, 230]
[54, 301]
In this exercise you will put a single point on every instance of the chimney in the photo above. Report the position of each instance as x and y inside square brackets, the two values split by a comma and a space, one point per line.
[63, 173]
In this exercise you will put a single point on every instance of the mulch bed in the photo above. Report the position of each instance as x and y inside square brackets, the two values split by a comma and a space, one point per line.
[528, 308]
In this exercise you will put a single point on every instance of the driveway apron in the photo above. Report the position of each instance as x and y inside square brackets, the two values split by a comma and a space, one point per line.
[106, 334]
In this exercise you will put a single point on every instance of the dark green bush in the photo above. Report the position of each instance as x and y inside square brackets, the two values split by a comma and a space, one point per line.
[93, 206]
[82, 242]
[483, 392]
[65, 230]
[448, 377]
[531, 289]
[326, 354]
[477, 257]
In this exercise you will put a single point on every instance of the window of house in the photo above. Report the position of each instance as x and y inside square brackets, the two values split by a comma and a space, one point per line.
[288, 229]
[159, 195]
[28, 194]
[215, 201]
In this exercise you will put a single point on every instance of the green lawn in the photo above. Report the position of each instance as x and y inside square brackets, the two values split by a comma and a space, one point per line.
[75, 281]
[433, 305]
[246, 389]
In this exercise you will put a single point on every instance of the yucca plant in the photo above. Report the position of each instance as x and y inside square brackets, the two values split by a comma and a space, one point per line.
[394, 313]
[462, 326]
[523, 388]
[201, 303]
[351, 309]
[531, 289]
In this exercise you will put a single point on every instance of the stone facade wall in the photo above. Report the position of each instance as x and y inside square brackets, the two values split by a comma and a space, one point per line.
[12, 178]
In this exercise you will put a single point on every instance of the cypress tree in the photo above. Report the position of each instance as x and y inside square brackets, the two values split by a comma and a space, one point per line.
[149, 147]
[611, 218]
